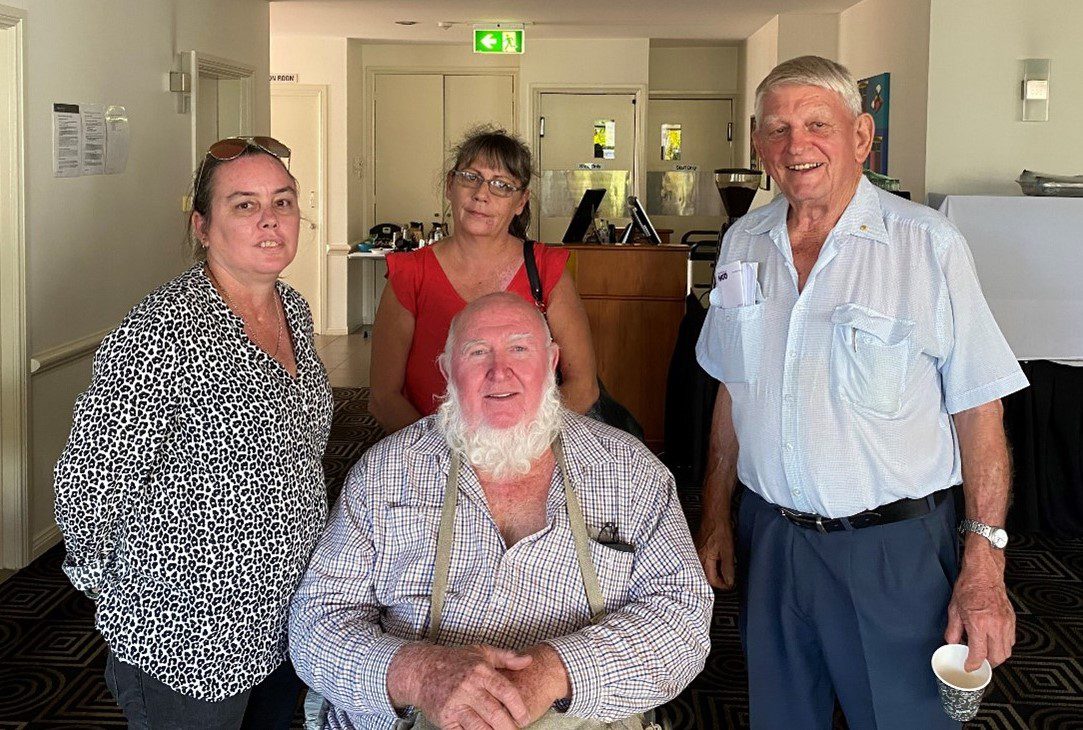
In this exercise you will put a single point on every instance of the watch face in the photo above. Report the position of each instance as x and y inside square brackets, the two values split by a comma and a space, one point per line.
[999, 538]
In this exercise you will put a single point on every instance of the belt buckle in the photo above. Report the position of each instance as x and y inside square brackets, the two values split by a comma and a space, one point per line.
[820, 525]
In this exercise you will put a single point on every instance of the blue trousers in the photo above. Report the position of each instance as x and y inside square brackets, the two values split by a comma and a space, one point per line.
[854, 615]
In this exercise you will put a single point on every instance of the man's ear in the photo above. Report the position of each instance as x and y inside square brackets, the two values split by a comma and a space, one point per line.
[864, 131]
[441, 362]
[554, 356]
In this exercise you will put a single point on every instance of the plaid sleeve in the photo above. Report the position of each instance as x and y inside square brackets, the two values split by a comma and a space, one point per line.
[336, 642]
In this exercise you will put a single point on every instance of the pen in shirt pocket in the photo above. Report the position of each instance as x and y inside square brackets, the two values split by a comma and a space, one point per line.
[608, 537]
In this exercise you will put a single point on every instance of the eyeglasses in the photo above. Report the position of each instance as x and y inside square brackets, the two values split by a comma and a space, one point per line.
[473, 181]
[231, 148]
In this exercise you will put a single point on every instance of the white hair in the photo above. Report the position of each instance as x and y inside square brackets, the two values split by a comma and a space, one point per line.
[811, 71]
[501, 452]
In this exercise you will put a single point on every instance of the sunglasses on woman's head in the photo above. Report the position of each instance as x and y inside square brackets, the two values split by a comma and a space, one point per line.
[231, 148]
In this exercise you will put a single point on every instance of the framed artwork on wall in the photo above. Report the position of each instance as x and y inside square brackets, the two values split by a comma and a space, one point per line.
[875, 100]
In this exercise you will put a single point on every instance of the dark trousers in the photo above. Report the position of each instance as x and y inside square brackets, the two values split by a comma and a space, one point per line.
[151, 705]
[854, 615]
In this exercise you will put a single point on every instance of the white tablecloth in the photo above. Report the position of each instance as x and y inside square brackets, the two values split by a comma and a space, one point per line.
[1029, 255]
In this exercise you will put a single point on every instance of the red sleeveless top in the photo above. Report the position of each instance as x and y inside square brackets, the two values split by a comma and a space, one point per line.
[422, 287]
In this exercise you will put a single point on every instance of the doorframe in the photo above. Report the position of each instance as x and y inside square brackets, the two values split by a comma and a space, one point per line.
[640, 94]
[320, 92]
[14, 363]
[369, 142]
[196, 63]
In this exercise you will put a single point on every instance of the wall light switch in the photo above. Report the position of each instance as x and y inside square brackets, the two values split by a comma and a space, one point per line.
[1035, 90]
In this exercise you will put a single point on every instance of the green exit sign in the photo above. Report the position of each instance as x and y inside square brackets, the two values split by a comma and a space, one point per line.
[498, 40]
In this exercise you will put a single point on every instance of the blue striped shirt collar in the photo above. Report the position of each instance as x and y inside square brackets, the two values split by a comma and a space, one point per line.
[863, 217]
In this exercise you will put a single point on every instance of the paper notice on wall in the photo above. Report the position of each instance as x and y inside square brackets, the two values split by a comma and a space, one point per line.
[67, 140]
[93, 128]
[116, 139]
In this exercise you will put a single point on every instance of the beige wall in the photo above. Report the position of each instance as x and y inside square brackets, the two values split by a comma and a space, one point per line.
[893, 36]
[96, 245]
[711, 69]
[808, 34]
[761, 55]
[976, 145]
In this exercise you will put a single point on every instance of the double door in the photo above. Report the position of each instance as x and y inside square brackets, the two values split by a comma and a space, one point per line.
[419, 119]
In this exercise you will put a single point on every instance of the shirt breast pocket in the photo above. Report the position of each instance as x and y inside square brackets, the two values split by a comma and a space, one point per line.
[870, 356]
[736, 343]
[614, 569]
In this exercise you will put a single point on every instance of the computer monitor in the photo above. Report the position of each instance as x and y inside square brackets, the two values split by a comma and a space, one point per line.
[640, 222]
[584, 215]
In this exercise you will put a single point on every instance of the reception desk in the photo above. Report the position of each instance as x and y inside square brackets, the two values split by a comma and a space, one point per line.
[634, 298]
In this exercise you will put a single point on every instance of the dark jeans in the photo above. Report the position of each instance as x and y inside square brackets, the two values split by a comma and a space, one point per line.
[151, 705]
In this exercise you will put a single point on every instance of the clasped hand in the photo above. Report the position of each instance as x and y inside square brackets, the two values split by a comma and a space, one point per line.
[472, 688]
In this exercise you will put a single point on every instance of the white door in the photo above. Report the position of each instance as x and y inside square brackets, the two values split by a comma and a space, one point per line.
[409, 137]
[473, 101]
[680, 188]
[585, 141]
[297, 120]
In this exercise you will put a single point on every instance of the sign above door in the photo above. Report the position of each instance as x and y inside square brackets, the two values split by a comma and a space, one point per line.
[499, 40]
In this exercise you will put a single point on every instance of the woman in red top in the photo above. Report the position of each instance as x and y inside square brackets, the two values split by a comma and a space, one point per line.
[490, 206]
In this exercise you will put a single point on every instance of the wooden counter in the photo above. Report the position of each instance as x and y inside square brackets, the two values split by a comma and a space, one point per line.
[634, 297]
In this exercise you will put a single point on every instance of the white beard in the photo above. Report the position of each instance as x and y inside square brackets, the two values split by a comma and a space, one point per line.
[501, 452]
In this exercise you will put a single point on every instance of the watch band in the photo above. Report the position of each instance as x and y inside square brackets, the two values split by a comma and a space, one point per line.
[996, 536]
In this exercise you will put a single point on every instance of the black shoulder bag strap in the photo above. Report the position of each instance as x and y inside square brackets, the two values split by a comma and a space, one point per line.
[532, 274]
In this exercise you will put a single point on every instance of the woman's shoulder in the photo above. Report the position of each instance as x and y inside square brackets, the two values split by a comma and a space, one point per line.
[157, 317]
[551, 253]
[171, 298]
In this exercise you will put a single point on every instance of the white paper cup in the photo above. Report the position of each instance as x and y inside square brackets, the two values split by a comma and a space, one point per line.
[960, 691]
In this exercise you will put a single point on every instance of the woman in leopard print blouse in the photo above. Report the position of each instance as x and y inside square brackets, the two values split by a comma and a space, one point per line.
[191, 490]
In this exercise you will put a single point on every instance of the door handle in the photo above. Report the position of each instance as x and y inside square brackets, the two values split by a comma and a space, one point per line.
[541, 126]
[729, 131]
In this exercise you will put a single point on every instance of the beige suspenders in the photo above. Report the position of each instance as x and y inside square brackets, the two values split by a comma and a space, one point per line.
[444, 542]
[446, 539]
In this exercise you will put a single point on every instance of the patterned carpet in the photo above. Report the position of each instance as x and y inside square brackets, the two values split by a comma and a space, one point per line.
[51, 659]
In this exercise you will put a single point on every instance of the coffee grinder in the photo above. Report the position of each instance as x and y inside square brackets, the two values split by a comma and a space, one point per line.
[737, 186]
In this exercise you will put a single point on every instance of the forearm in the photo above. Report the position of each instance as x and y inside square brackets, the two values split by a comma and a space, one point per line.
[721, 475]
[544, 682]
[392, 410]
[579, 392]
[405, 674]
[986, 475]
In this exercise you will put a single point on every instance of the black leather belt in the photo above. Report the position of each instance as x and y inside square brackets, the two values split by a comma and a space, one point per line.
[885, 514]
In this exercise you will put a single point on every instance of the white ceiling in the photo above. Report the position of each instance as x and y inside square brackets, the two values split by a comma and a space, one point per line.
[726, 20]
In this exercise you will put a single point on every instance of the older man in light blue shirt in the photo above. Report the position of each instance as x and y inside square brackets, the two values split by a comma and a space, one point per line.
[861, 384]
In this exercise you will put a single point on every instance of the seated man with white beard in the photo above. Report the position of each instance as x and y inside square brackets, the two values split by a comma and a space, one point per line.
[502, 560]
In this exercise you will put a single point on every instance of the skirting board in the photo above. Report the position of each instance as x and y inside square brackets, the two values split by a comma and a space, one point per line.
[44, 540]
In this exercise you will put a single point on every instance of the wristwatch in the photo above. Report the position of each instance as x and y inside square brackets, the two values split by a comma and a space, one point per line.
[996, 536]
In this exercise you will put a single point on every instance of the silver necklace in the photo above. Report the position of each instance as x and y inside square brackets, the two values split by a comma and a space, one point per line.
[235, 308]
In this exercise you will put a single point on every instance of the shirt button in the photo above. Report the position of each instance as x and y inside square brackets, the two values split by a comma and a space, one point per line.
[797, 492]
[789, 447]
